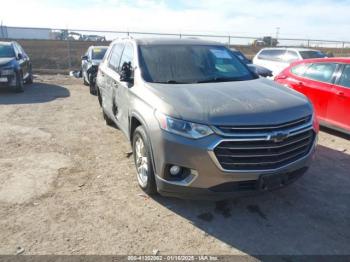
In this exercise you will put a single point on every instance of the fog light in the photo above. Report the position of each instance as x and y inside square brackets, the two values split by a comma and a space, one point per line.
[175, 170]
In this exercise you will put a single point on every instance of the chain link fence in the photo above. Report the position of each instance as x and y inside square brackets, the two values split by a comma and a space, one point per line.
[60, 50]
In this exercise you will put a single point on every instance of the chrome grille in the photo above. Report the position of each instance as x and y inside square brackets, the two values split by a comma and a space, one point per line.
[257, 151]
[247, 130]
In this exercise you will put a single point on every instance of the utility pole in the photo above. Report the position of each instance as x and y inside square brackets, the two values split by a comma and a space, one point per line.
[277, 32]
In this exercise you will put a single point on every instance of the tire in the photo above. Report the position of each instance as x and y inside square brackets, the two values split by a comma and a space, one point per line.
[84, 81]
[92, 87]
[143, 161]
[19, 83]
[30, 79]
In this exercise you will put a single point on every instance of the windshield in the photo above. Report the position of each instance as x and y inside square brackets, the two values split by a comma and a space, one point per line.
[242, 57]
[183, 64]
[312, 54]
[98, 53]
[6, 51]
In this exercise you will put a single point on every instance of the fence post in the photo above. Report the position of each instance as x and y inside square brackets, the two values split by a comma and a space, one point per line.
[229, 41]
[69, 54]
[308, 43]
[180, 36]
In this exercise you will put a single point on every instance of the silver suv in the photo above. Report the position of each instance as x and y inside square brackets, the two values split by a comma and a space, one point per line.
[201, 124]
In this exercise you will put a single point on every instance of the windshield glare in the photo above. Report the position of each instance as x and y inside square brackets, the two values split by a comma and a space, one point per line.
[312, 54]
[6, 51]
[98, 53]
[176, 64]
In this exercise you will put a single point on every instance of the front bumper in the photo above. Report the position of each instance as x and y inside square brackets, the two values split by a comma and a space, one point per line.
[207, 179]
[226, 190]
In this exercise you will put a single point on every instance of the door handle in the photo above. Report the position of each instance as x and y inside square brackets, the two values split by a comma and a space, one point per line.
[115, 84]
[300, 83]
[340, 93]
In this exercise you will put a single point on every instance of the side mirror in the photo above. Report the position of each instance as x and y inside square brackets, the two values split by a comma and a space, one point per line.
[126, 73]
[19, 56]
[84, 58]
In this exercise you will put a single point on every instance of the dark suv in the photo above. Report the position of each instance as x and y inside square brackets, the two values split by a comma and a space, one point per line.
[15, 66]
[200, 122]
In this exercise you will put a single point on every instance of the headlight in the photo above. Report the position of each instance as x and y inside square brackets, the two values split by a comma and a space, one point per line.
[7, 72]
[181, 127]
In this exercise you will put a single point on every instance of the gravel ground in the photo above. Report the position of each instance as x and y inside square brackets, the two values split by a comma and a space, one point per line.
[68, 186]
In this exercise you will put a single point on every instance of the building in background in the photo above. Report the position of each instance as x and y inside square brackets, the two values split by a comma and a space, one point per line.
[8, 32]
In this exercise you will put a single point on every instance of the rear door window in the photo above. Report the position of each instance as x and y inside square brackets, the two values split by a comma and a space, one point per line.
[272, 54]
[345, 77]
[322, 72]
[116, 53]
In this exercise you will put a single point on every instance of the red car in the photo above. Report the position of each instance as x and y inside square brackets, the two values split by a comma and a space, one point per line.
[326, 82]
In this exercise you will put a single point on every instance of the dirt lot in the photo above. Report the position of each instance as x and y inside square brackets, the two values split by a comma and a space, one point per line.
[68, 186]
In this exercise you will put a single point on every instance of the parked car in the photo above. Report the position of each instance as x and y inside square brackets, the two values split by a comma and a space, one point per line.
[201, 124]
[89, 65]
[277, 59]
[74, 36]
[94, 38]
[326, 82]
[261, 71]
[15, 66]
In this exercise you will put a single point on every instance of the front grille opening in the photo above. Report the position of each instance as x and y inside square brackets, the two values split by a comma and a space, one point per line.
[231, 130]
[254, 185]
[235, 186]
[263, 155]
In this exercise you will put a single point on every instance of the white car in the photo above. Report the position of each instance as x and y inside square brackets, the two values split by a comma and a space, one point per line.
[278, 58]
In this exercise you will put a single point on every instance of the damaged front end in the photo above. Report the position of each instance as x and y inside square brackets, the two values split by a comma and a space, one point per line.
[92, 74]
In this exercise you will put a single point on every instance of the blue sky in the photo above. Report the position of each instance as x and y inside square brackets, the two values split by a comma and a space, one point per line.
[325, 19]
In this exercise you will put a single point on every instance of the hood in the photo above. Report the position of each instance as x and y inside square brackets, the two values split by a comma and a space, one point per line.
[6, 60]
[255, 102]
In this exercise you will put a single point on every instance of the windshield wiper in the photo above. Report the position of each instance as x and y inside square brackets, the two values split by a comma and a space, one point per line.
[172, 82]
[217, 79]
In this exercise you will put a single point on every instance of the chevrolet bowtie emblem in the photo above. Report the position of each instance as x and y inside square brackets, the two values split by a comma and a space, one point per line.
[278, 136]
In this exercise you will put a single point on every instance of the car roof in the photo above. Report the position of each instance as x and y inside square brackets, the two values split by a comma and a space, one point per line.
[345, 60]
[174, 41]
[5, 43]
[289, 48]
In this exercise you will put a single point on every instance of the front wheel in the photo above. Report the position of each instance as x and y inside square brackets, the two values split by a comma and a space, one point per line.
[19, 83]
[84, 80]
[143, 161]
[30, 77]
[93, 87]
